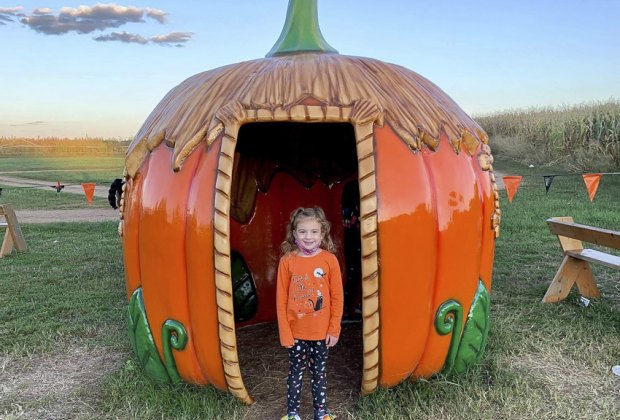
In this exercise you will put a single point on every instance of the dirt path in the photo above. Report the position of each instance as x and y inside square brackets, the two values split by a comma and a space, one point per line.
[73, 215]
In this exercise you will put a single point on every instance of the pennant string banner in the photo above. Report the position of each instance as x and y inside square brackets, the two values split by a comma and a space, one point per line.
[592, 181]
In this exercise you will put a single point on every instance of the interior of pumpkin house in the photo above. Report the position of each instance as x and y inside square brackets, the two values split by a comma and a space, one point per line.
[280, 166]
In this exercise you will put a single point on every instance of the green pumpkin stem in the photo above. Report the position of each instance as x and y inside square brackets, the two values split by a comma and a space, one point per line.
[301, 32]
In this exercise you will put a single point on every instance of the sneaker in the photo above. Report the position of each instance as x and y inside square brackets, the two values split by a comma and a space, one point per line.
[290, 417]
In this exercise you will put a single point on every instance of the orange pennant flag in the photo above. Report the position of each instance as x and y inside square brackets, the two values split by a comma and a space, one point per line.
[512, 185]
[592, 181]
[89, 190]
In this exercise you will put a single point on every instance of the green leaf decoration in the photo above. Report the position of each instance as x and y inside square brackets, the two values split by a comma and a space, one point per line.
[449, 319]
[142, 340]
[245, 301]
[476, 332]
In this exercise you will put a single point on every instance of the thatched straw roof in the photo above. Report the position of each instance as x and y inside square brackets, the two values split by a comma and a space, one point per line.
[197, 109]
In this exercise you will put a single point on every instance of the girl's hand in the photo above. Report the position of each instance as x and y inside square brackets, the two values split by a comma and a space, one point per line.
[331, 341]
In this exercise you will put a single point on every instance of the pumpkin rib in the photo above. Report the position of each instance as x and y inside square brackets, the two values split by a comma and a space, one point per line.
[457, 224]
[406, 250]
[165, 273]
[485, 184]
[431, 181]
[200, 262]
[132, 210]
[481, 208]
[193, 178]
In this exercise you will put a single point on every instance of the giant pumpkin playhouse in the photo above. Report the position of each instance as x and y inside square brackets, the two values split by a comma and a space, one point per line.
[216, 169]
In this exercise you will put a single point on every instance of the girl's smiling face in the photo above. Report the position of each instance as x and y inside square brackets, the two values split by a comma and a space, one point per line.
[308, 234]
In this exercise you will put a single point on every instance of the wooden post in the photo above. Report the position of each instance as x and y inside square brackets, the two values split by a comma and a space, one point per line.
[13, 237]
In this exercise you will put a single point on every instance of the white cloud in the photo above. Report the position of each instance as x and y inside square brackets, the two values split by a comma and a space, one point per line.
[8, 14]
[172, 39]
[176, 38]
[158, 15]
[42, 11]
[123, 37]
[13, 10]
[87, 19]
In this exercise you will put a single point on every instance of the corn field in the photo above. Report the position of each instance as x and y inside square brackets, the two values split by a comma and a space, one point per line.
[582, 137]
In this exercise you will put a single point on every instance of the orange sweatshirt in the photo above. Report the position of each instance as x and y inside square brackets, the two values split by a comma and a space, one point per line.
[309, 297]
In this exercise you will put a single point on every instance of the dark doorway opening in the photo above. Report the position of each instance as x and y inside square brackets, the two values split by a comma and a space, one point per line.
[280, 166]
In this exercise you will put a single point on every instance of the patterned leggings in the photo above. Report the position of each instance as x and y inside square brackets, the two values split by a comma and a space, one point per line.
[302, 353]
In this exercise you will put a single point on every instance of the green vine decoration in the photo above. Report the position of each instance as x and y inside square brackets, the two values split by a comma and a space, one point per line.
[173, 336]
[467, 349]
[449, 320]
[142, 340]
[476, 332]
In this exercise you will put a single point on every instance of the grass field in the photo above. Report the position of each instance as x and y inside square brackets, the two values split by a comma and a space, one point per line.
[67, 170]
[101, 170]
[54, 146]
[65, 353]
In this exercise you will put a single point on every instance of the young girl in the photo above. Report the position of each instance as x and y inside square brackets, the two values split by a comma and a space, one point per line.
[309, 303]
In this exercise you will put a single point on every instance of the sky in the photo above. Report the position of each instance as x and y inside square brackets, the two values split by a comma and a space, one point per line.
[88, 69]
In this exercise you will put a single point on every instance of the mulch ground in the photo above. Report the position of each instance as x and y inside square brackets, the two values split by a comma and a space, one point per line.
[264, 366]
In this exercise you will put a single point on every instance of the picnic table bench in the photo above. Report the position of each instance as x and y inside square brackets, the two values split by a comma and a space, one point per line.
[575, 267]
[13, 237]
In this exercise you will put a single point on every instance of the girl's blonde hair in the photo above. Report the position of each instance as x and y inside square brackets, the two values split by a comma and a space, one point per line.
[313, 213]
